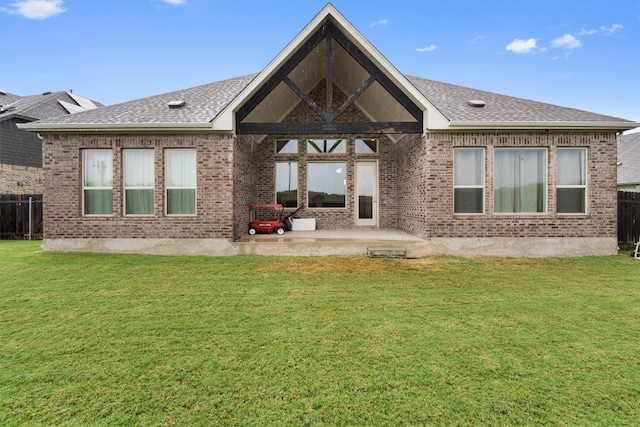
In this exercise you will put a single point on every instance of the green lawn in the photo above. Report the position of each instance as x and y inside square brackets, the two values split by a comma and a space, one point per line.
[89, 339]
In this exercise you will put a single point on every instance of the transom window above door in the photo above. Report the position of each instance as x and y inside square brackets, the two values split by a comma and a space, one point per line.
[326, 146]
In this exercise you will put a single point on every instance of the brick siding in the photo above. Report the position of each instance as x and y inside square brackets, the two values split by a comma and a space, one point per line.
[63, 188]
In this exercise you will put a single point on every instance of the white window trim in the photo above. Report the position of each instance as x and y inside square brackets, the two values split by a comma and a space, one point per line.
[345, 142]
[84, 152]
[124, 183]
[546, 182]
[585, 186]
[167, 187]
[275, 178]
[278, 153]
[483, 186]
[346, 196]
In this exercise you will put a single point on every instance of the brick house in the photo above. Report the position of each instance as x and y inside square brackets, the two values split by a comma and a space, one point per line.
[629, 162]
[331, 127]
[21, 151]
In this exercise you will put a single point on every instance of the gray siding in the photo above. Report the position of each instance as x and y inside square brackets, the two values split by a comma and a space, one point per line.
[18, 147]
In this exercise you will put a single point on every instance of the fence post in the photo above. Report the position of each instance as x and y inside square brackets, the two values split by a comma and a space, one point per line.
[30, 207]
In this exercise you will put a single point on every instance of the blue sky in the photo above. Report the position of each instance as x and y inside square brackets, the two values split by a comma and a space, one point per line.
[577, 53]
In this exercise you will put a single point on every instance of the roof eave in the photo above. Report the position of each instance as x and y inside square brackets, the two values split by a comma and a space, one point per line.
[586, 125]
[115, 127]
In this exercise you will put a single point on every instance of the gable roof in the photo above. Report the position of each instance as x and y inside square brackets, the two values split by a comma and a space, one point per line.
[629, 159]
[212, 107]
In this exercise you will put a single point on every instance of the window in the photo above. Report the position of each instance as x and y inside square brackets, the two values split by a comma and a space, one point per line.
[287, 184]
[572, 180]
[468, 181]
[326, 185]
[180, 170]
[97, 182]
[366, 146]
[287, 146]
[520, 180]
[138, 181]
[326, 146]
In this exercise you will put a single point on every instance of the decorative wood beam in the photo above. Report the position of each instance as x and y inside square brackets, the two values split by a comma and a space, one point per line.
[319, 128]
[353, 98]
[286, 68]
[329, 77]
[372, 69]
[307, 99]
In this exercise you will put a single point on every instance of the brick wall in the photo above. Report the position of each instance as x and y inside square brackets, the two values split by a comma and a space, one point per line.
[63, 188]
[21, 180]
[426, 200]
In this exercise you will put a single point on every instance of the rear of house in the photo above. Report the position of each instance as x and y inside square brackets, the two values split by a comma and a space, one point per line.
[330, 128]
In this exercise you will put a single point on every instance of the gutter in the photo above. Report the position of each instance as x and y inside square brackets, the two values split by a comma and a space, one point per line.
[544, 125]
[115, 127]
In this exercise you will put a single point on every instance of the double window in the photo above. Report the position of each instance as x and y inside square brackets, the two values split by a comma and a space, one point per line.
[139, 181]
[97, 182]
[180, 181]
[571, 192]
[468, 180]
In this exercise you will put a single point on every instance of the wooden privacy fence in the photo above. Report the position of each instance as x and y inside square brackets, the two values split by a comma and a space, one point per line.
[20, 216]
[628, 217]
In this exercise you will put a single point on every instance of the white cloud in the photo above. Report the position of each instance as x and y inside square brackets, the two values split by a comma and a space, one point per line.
[35, 9]
[477, 39]
[585, 32]
[429, 48]
[382, 22]
[524, 46]
[172, 2]
[612, 29]
[567, 41]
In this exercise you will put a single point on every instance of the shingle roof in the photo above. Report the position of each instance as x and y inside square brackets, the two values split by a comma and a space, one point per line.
[203, 103]
[629, 159]
[37, 107]
[453, 102]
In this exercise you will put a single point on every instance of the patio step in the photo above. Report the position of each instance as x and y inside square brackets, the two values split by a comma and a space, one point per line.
[387, 252]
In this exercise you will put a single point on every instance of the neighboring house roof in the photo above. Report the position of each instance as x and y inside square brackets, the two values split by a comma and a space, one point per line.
[629, 159]
[445, 106]
[45, 106]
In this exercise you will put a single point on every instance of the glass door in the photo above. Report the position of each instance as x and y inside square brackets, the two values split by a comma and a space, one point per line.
[366, 193]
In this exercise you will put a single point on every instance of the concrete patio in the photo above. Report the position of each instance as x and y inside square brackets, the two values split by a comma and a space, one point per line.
[331, 242]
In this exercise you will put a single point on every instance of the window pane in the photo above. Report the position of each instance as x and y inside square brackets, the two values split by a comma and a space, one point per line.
[467, 166]
[97, 182]
[327, 185]
[468, 200]
[181, 202]
[98, 168]
[287, 146]
[326, 146]
[181, 168]
[180, 173]
[138, 168]
[138, 181]
[571, 167]
[287, 184]
[139, 202]
[571, 200]
[520, 181]
[366, 146]
[98, 202]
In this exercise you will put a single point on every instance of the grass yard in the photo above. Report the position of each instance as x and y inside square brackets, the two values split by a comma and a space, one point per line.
[91, 340]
